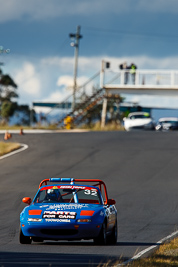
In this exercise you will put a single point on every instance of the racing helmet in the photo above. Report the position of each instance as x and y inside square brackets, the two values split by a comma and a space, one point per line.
[53, 194]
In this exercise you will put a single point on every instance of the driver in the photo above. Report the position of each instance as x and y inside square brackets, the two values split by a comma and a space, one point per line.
[54, 195]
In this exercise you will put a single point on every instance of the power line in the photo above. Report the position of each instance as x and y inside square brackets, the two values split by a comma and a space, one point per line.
[135, 34]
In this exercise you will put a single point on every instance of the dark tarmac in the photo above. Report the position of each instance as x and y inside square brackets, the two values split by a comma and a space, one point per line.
[139, 169]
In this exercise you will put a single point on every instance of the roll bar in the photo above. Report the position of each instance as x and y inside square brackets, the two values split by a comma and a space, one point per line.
[72, 181]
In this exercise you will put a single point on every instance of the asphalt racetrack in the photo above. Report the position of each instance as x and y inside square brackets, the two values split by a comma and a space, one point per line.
[140, 170]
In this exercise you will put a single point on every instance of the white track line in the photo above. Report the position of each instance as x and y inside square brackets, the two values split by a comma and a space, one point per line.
[141, 253]
[26, 131]
[24, 146]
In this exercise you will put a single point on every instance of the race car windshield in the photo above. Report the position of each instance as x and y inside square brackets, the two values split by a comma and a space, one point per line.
[68, 195]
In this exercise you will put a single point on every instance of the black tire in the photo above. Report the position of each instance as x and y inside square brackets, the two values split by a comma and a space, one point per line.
[112, 238]
[102, 238]
[24, 239]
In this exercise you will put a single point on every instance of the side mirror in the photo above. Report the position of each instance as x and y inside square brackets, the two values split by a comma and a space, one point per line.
[111, 202]
[27, 200]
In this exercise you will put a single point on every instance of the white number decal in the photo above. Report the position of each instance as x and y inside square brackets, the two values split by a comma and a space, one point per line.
[91, 192]
[94, 193]
[87, 192]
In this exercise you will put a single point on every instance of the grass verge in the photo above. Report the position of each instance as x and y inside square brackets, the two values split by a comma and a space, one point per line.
[113, 126]
[8, 147]
[165, 256]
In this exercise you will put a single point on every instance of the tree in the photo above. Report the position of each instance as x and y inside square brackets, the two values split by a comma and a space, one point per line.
[7, 93]
[7, 88]
[7, 110]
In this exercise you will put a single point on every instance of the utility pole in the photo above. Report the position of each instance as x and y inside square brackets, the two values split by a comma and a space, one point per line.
[104, 65]
[75, 37]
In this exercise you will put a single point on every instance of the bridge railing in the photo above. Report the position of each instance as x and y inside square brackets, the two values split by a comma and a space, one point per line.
[83, 92]
[142, 77]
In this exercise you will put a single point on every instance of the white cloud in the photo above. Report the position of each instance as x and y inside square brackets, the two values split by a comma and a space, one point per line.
[53, 81]
[27, 81]
[66, 64]
[158, 6]
[56, 96]
[145, 62]
[66, 81]
[91, 65]
[43, 9]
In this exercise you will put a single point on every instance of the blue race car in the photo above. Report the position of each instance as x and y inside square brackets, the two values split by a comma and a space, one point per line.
[69, 209]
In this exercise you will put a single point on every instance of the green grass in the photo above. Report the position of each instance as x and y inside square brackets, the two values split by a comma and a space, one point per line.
[165, 256]
[113, 126]
[6, 127]
[8, 147]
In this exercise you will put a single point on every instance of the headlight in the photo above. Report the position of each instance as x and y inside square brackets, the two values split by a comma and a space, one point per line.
[84, 220]
[158, 127]
[34, 220]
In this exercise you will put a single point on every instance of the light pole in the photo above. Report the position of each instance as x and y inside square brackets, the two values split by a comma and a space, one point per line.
[75, 37]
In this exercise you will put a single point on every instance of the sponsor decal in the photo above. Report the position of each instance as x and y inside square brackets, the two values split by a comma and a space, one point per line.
[72, 187]
[66, 206]
[44, 206]
[59, 215]
[57, 220]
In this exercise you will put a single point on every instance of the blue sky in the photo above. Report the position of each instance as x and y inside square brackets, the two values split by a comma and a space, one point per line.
[41, 60]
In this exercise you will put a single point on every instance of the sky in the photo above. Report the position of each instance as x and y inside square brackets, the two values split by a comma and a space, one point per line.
[41, 58]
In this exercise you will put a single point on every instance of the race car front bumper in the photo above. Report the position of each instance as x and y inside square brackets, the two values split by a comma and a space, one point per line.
[61, 231]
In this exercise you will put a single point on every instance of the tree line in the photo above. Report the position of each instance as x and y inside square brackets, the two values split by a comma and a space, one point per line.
[8, 105]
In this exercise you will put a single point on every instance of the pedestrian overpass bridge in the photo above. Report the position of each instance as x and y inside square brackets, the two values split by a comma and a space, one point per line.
[147, 82]
[108, 83]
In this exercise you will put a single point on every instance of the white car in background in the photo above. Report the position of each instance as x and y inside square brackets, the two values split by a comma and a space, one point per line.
[167, 124]
[138, 120]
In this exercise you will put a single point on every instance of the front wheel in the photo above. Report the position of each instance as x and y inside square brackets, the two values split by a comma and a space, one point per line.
[24, 239]
[101, 239]
[112, 239]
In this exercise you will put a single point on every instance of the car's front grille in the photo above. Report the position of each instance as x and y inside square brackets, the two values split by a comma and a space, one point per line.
[59, 231]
